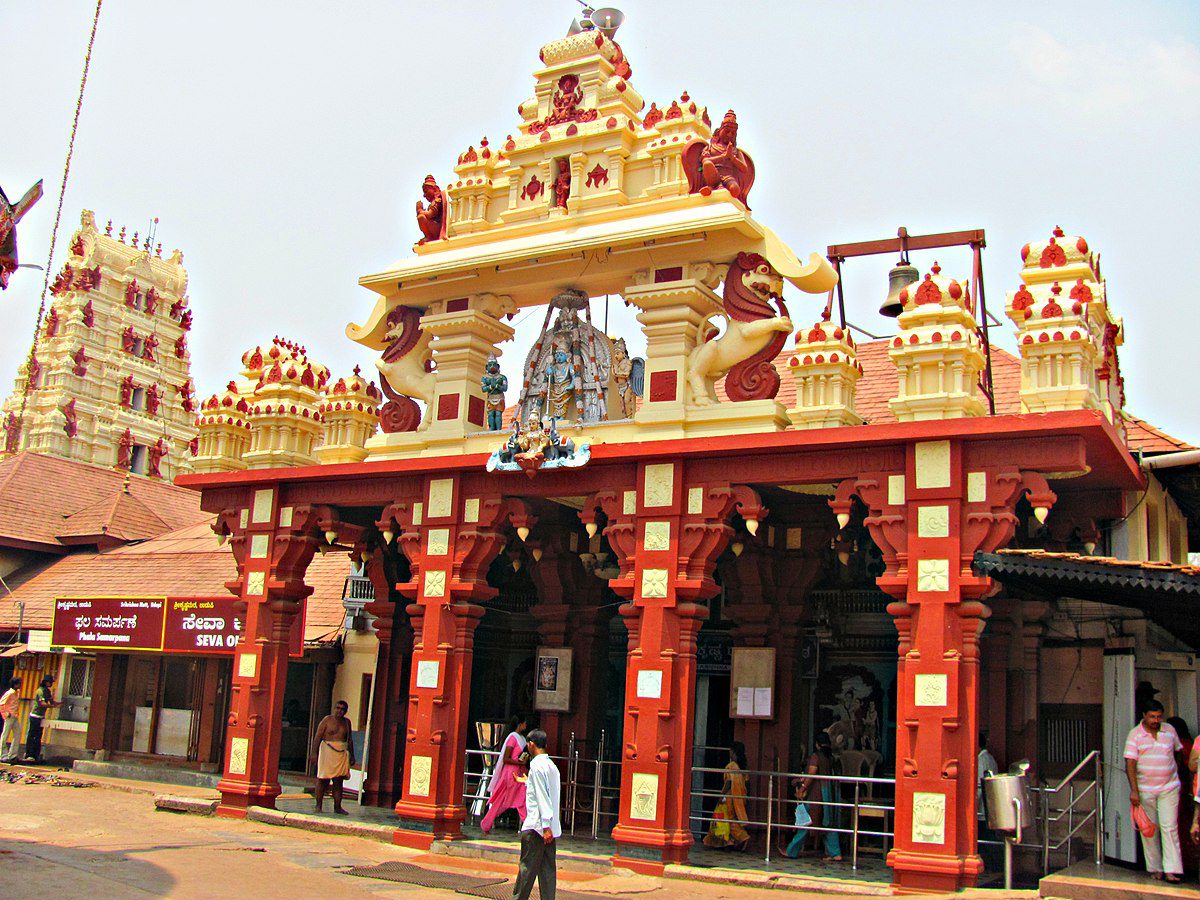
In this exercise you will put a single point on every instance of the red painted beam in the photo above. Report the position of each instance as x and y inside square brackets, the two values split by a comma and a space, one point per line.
[1110, 463]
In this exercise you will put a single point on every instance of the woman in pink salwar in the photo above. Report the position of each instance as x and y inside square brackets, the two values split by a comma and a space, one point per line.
[507, 790]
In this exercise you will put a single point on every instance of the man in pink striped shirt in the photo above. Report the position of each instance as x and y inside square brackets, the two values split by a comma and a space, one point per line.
[1154, 786]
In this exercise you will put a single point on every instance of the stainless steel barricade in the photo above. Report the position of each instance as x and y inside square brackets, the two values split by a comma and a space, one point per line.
[767, 795]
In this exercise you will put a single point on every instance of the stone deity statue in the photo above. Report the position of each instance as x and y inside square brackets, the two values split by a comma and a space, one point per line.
[568, 369]
[493, 385]
[562, 184]
[719, 163]
[431, 219]
[562, 382]
[622, 371]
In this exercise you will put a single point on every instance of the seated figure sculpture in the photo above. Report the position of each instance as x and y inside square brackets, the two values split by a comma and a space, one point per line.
[537, 446]
[431, 219]
[720, 163]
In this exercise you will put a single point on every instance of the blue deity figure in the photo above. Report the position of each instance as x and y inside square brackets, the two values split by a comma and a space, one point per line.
[493, 385]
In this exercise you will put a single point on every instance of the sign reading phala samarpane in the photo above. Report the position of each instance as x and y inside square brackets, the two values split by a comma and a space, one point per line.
[108, 623]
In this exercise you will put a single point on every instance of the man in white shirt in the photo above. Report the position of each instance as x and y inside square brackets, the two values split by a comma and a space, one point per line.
[541, 826]
[10, 737]
[1154, 786]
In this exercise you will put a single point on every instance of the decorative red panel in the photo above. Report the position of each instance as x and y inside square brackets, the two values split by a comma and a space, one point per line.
[457, 305]
[664, 386]
[475, 410]
[675, 273]
[447, 407]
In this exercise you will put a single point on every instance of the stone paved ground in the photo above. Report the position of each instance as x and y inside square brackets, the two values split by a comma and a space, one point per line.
[105, 841]
[108, 841]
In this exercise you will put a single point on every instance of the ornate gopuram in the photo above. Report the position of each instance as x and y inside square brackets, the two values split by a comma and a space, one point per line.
[609, 540]
[110, 382]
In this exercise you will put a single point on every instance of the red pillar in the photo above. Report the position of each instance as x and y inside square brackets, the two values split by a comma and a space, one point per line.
[667, 535]
[102, 697]
[929, 521]
[273, 545]
[749, 584]
[450, 539]
[389, 688]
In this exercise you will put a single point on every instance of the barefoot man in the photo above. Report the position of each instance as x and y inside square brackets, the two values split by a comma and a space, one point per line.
[335, 755]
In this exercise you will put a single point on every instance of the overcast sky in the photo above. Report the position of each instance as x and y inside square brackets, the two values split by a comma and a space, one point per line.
[282, 145]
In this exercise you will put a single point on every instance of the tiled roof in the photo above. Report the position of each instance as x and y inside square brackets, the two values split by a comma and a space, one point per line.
[44, 499]
[1165, 592]
[187, 562]
[1157, 566]
[1146, 438]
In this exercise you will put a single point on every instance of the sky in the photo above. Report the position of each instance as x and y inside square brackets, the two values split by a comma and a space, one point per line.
[282, 147]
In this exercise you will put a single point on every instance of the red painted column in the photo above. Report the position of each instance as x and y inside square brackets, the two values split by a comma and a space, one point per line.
[929, 521]
[389, 705]
[102, 697]
[750, 586]
[273, 545]
[667, 536]
[449, 539]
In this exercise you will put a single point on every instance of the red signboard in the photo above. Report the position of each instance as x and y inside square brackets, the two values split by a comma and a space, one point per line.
[172, 624]
[201, 625]
[108, 623]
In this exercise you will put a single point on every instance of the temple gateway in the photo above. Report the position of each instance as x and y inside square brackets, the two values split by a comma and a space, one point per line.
[761, 531]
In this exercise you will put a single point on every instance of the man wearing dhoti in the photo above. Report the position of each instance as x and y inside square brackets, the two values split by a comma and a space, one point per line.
[335, 755]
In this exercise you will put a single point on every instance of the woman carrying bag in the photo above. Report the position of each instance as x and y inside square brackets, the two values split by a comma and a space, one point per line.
[727, 829]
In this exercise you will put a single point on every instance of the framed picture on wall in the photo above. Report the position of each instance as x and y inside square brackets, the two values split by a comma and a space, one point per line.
[552, 679]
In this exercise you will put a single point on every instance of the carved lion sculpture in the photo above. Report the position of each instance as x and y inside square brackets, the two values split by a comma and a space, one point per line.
[407, 372]
[754, 337]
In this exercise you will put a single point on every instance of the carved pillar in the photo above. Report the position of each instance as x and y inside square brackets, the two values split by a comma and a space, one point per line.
[799, 555]
[1024, 689]
[450, 538]
[272, 545]
[667, 536]
[929, 521]
[749, 592]
[994, 699]
[568, 615]
[674, 304]
[389, 709]
[466, 333]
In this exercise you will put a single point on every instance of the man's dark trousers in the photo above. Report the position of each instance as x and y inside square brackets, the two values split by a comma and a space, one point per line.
[33, 738]
[537, 862]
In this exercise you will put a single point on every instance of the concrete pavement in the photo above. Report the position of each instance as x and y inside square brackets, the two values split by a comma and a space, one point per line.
[104, 842]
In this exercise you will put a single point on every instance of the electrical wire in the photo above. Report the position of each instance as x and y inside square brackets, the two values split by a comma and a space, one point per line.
[62, 192]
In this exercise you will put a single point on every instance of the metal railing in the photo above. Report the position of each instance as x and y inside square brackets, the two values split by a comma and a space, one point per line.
[1074, 821]
[591, 799]
[591, 786]
[1049, 814]
[768, 798]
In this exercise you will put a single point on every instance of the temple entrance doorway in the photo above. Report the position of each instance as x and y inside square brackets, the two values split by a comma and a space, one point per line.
[551, 649]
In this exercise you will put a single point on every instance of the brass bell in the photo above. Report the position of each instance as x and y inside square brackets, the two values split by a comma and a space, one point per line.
[902, 275]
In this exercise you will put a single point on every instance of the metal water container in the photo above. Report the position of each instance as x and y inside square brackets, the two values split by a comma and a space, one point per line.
[999, 791]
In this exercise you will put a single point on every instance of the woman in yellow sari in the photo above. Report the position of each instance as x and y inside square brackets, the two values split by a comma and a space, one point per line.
[726, 829]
